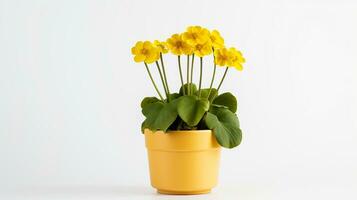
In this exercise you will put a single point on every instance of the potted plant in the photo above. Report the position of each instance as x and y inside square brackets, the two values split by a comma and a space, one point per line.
[185, 130]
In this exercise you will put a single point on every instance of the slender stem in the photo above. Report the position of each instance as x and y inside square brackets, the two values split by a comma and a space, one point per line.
[192, 61]
[179, 64]
[188, 71]
[214, 74]
[162, 79]
[164, 72]
[200, 83]
[153, 82]
[224, 76]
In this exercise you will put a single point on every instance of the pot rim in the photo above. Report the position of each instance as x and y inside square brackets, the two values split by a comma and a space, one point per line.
[181, 131]
[200, 131]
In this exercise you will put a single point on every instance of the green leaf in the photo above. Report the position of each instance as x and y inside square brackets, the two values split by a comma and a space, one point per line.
[159, 115]
[225, 126]
[186, 86]
[227, 99]
[143, 126]
[148, 100]
[204, 93]
[191, 109]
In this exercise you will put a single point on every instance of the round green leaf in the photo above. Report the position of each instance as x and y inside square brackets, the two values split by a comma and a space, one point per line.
[204, 93]
[186, 86]
[227, 99]
[225, 126]
[159, 115]
[191, 109]
[148, 100]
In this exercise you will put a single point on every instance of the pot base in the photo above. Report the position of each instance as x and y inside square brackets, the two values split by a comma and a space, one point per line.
[172, 192]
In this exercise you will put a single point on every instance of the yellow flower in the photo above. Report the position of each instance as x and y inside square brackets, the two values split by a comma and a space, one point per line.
[216, 39]
[145, 51]
[162, 46]
[237, 59]
[229, 57]
[203, 49]
[196, 35]
[178, 46]
[222, 57]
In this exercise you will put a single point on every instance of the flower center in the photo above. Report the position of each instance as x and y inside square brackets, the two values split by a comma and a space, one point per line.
[179, 44]
[144, 51]
[224, 57]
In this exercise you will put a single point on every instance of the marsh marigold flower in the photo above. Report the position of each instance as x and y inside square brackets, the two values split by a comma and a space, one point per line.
[178, 46]
[196, 35]
[222, 57]
[203, 49]
[229, 57]
[162, 46]
[237, 59]
[216, 39]
[145, 52]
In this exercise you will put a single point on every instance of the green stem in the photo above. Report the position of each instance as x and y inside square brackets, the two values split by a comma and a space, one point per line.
[179, 64]
[200, 83]
[188, 72]
[214, 74]
[163, 70]
[192, 61]
[162, 80]
[153, 82]
[224, 76]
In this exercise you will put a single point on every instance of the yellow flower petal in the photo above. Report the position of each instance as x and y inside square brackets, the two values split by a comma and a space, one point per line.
[162, 46]
[217, 40]
[134, 50]
[139, 58]
[238, 66]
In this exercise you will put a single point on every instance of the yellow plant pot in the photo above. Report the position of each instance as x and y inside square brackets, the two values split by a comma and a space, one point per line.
[183, 162]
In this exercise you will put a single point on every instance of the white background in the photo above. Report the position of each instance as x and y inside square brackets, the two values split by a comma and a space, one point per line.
[70, 94]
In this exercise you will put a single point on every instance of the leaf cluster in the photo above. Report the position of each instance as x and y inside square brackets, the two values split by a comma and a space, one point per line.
[207, 110]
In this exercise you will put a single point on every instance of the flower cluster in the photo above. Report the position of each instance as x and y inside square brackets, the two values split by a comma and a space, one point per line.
[197, 41]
